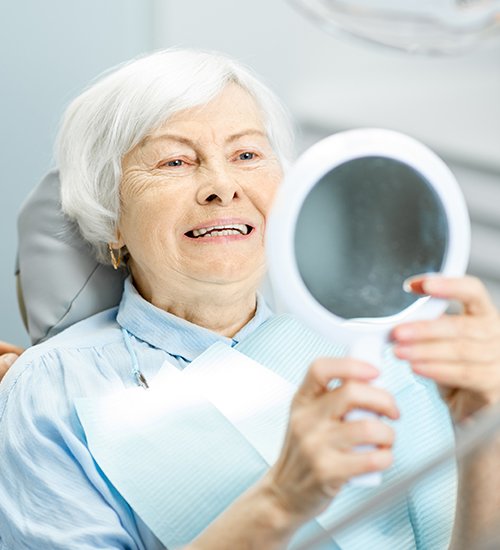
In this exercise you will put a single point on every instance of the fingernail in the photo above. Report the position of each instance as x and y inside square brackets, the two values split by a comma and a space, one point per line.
[417, 284]
[420, 370]
[403, 352]
[403, 333]
[431, 285]
[9, 359]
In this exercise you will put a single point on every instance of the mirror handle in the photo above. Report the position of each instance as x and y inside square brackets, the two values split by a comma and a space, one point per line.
[367, 348]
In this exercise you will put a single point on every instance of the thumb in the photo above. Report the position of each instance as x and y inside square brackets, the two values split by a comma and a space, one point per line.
[325, 369]
[5, 348]
[8, 359]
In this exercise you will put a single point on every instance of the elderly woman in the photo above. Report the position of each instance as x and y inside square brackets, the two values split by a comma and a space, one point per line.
[170, 165]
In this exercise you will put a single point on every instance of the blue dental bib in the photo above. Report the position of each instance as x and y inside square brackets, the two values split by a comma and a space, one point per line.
[182, 451]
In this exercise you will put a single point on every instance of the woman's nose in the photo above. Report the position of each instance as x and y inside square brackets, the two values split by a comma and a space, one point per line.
[219, 186]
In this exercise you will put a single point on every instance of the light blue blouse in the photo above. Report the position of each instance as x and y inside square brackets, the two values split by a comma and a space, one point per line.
[52, 493]
[54, 496]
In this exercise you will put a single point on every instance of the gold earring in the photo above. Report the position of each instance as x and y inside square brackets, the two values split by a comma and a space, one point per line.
[115, 261]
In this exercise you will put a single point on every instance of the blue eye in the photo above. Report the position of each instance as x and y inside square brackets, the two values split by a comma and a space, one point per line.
[247, 156]
[176, 162]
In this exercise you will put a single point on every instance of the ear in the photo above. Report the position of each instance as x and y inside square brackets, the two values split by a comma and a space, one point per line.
[119, 241]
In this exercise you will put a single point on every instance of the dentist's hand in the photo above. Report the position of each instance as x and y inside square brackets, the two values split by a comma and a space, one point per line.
[319, 454]
[460, 352]
[8, 354]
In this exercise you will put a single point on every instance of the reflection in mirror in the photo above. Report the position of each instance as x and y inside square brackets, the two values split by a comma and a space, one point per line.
[365, 227]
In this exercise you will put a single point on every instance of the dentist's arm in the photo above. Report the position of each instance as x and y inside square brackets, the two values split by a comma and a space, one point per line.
[8, 354]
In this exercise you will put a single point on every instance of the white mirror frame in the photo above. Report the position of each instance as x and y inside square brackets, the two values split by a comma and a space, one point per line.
[306, 173]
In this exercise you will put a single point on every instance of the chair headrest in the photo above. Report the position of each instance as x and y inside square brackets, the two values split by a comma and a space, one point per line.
[60, 280]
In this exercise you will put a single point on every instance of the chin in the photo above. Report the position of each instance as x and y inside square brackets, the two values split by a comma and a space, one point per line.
[237, 272]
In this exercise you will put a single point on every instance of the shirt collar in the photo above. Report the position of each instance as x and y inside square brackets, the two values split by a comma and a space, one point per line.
[176, 336]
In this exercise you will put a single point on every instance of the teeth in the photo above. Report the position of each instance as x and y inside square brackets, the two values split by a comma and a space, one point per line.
[231, 229]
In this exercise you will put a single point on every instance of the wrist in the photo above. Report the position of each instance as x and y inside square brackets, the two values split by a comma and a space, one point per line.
[287, 513]
[277, 515]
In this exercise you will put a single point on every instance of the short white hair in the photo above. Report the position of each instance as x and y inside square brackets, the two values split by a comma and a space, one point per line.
[115, 113]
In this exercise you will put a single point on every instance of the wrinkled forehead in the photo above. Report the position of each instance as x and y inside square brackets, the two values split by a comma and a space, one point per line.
[232, 112]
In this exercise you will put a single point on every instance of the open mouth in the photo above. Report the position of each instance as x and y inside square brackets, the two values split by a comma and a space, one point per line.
[220, 231]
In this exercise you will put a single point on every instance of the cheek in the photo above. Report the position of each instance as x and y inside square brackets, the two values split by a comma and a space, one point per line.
[273, 190]
[269, 191]
[146, 223]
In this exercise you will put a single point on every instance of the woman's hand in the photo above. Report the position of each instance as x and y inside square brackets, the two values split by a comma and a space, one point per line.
[460, 352]
[8, 354]
[319, 454]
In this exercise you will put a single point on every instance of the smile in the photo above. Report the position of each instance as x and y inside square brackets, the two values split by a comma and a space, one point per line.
[220, 231]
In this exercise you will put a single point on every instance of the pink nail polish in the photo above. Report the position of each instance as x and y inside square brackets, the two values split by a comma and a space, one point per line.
[404, 333]
[403, 352]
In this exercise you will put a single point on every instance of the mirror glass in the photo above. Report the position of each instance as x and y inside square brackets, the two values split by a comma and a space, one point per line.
[365, 227]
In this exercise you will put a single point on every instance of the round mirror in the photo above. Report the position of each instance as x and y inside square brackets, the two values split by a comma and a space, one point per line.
[359, 213]
[363, 229]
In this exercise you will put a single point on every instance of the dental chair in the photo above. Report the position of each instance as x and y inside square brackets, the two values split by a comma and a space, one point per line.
[59, 281]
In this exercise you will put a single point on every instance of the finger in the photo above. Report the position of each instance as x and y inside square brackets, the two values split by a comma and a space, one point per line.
[459, 375]
[365, 432]
[355, 463]
[358, 395]
[6, 361]
[468, 290]
[323, 370]
[338, 467]
[446, 327]
[461, 350]
[9, 348]
[3, 368]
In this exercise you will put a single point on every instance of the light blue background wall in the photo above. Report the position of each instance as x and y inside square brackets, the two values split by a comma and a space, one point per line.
[49, 50]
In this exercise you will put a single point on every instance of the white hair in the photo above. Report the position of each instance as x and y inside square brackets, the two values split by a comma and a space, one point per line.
[113, 115]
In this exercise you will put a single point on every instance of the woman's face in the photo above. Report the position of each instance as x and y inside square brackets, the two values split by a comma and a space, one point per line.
[196, 193]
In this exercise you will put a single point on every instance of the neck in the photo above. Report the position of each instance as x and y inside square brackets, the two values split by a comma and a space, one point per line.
[222, 308]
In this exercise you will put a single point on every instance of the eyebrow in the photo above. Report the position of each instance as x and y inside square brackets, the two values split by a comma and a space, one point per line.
[188, 141]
